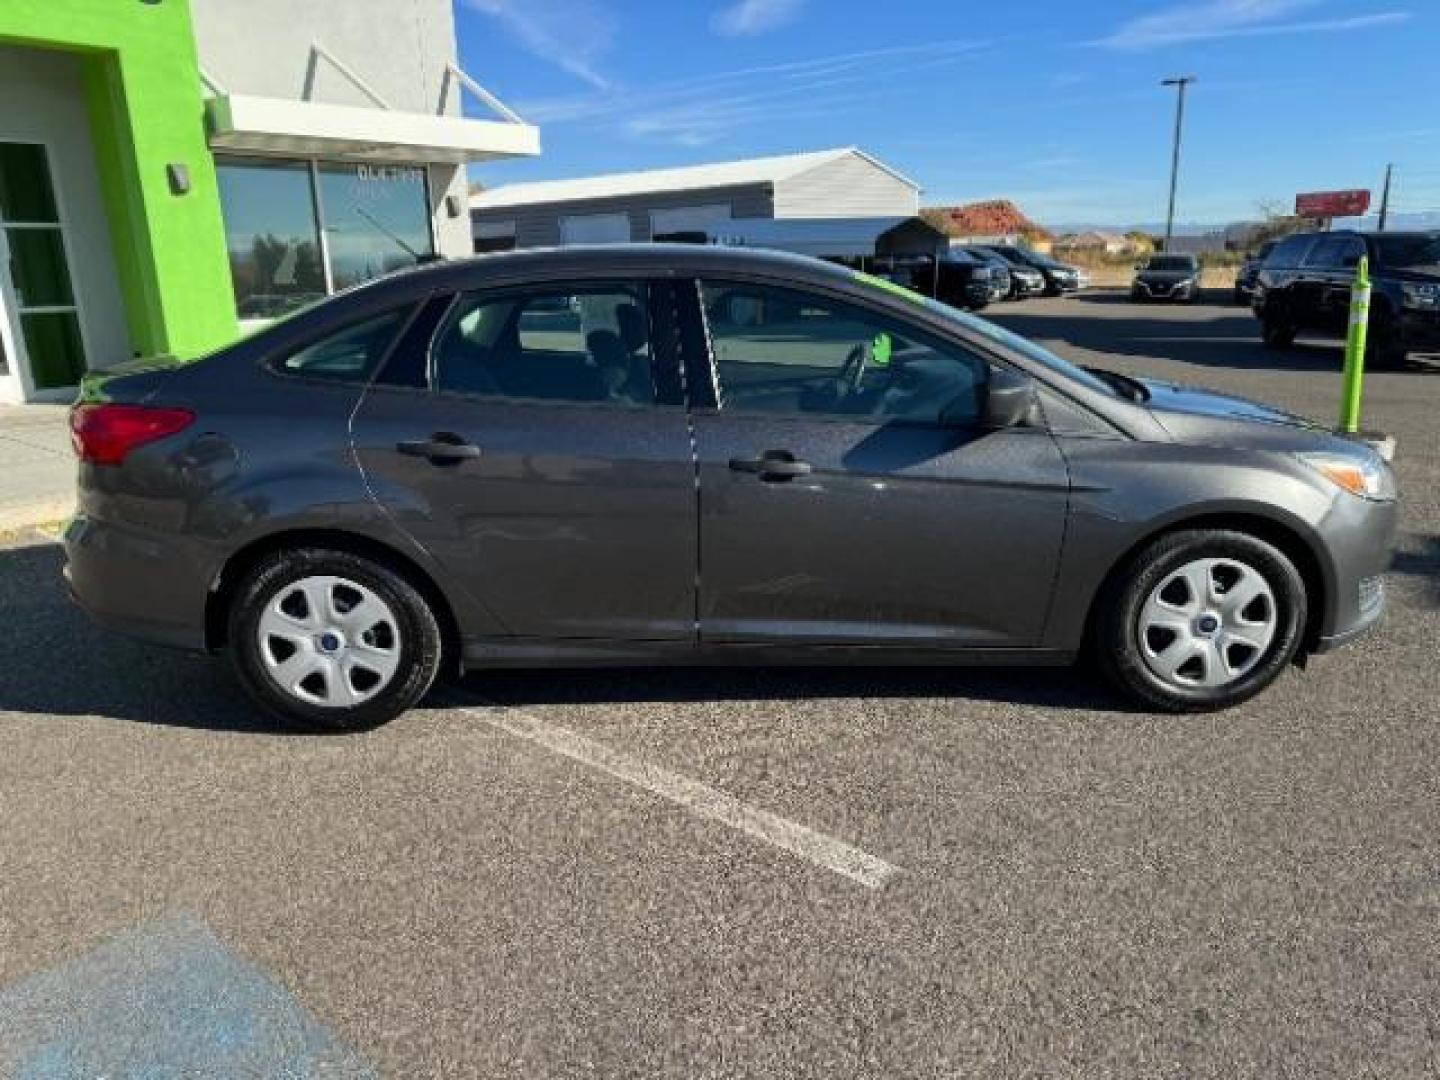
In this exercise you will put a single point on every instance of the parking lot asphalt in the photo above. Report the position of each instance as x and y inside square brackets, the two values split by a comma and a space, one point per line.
[747, 873]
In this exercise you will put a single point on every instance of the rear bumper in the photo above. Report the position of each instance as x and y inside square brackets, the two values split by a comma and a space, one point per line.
[137, 582]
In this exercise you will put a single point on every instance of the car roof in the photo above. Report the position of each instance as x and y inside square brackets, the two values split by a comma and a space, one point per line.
[588, 259]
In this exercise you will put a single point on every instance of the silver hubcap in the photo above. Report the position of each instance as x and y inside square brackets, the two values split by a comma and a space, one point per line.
[329, 641]
[1207, 624]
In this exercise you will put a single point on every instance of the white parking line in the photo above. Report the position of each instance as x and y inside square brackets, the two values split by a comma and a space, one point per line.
[701, 799]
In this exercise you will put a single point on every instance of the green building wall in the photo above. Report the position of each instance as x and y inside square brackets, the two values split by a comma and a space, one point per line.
[143, 91]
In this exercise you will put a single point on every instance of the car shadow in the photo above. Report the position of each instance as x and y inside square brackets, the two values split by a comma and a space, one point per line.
[61, 665]
[1420, 558]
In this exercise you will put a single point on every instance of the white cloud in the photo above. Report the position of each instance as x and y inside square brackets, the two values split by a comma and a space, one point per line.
[748, 17]
[703, 108]
[571, 34]
[1217, 19]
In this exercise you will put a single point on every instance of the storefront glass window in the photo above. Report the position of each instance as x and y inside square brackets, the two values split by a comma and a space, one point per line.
[271, 235]
[377, 219]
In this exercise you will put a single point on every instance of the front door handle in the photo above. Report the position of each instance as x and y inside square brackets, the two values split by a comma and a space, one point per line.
[773, 465]
[442, 448]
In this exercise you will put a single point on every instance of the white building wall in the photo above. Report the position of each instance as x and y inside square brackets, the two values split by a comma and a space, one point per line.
[851, 186]
[399, 48]
[42, 101]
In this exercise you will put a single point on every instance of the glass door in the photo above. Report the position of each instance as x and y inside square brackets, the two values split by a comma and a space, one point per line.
[43, 348]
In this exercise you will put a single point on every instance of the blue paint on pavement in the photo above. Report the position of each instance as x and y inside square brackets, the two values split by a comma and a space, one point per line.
[160, 1002]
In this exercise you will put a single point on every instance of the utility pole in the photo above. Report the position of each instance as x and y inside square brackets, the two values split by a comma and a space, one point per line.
[1180, 82]
[1385, 197]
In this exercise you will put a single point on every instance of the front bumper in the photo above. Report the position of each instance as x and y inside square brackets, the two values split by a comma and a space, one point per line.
[1358, 536]
[1147, 290]
[1420, 330]
[137, 582]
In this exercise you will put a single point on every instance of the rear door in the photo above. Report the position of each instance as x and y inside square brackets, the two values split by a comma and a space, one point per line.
[848, 497]
[534, 440]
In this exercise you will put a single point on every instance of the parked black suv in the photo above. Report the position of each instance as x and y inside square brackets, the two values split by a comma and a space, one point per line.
[1305, 282]
[1059, 278]
[1024, 280]
[957, 279]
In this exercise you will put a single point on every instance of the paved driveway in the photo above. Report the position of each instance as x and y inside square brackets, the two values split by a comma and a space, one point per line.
[744, 873]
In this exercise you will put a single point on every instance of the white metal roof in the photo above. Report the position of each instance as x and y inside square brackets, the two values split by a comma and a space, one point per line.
[688, 178]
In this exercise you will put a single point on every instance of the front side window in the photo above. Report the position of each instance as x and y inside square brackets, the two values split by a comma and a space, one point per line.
[784, 351]
[348, 355]
[573, 343]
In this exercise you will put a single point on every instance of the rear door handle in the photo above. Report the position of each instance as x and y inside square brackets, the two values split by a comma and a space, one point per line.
[773, 465]
[442, 448]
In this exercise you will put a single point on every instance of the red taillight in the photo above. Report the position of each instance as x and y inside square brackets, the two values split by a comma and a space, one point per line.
[104, 434]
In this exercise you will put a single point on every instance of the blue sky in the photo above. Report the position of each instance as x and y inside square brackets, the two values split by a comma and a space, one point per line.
[1054, 103]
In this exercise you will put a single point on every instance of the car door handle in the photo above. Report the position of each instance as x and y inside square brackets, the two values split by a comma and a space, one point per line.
[442, 448]
[773, 465]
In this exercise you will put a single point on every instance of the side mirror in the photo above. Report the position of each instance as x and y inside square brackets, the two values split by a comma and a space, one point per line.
[1009, 399]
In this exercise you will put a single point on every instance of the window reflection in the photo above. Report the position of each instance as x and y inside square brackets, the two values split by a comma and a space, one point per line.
[377, 219]
[271, 236]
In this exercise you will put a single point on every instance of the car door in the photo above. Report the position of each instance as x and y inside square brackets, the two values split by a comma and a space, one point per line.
[534, 441]
[847, 494]
[1315, 282]
[1342, 257]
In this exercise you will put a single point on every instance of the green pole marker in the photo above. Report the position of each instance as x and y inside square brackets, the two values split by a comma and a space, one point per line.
[1355, 348]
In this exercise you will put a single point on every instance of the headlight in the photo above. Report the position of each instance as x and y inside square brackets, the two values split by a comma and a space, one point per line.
[1368, 476]
[1417, 295]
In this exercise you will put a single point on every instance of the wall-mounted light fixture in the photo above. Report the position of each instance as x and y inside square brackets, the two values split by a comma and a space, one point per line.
[452, 206]
[179, 176]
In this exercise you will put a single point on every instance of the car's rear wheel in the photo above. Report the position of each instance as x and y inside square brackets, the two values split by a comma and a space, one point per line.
[1277, 331]
[1201, 620]
[328, 640]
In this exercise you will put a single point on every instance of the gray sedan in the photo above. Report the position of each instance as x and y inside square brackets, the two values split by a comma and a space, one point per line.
[669, 455]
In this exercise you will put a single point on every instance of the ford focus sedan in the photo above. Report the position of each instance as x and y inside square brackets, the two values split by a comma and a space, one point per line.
[670, 455]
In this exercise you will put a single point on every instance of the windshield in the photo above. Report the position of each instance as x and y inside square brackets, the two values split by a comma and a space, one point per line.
[1413, 249]
[1171, 264]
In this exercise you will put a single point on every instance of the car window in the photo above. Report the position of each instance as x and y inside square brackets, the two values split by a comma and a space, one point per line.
[1336, 253]
[786, 351]
[348, 355]
[582, 342]
[1289, 252]
[1409, 249]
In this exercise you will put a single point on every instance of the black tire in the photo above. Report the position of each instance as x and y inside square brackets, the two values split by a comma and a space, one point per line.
[1383, 351]
[418, 639]
[1277, 331]
[1116, 637]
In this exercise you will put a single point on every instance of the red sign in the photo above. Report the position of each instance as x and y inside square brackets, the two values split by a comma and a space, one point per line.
[1328, 204]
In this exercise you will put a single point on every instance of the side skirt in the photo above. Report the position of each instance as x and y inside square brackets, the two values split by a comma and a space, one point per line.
[479, 654]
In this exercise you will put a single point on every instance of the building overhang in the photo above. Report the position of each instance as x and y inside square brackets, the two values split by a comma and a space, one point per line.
[278, 126]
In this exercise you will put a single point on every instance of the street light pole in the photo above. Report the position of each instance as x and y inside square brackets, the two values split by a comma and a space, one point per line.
[1180, 82]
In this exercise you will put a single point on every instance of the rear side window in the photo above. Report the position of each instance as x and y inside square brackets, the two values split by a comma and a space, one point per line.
[348, 355]
[576, 343]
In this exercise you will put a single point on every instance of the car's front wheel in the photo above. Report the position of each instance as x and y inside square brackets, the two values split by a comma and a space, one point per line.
[1277, 331]
[1201, 620]
[329, 640]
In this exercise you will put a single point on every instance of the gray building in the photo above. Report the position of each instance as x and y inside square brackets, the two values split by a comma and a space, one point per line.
[638, 206]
